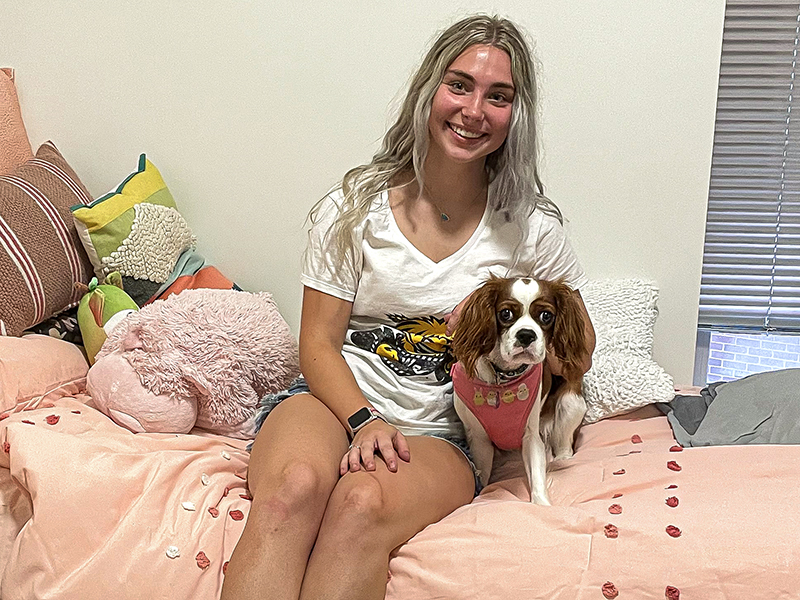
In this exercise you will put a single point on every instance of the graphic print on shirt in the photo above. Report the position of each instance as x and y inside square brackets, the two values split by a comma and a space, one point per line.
[411, 346]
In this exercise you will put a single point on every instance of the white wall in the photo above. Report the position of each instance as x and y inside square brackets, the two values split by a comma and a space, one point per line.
[251, 110]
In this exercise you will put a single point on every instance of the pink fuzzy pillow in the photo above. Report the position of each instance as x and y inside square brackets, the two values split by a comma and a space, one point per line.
[204, 358]
[15, 148]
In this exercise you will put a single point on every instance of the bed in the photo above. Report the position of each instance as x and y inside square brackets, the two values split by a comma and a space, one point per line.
[90, 510]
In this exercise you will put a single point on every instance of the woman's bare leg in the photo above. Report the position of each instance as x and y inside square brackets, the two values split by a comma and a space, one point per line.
[294, 466]
[369, 514]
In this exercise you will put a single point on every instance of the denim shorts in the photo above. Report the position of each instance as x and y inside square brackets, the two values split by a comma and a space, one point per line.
[299, 386]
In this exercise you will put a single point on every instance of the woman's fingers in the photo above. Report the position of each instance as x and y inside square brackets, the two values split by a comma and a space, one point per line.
[387, 452]
[401, 444]
[354, 458]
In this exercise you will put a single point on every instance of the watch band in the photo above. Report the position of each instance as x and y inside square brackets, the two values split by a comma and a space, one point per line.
[362, 417]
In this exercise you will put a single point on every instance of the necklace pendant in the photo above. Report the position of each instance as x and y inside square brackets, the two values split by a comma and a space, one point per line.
[445, 218]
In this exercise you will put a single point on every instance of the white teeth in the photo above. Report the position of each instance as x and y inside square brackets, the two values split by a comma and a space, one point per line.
[464, 132]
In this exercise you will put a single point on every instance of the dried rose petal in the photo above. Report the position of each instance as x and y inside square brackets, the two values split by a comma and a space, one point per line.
[6, 447]
[635, 439]
[620, 472]
[245, 496]
[610, 590]
[616, 496]
[202, 560]
[673, 531]
[241, 476]
[27, 422]
[635, 452]
[615, 509]
[611, 531]
[236, 515]
[52, 419]
[76, 412]
[673, 466]
[225, 567]
[671, 487]
[4, 416]
[214, 512]
[676, 449]
[672, 502]
[672, 593]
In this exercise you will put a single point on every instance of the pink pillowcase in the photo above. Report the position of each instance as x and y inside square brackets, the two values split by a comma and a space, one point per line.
[38, 368]
[15, 148]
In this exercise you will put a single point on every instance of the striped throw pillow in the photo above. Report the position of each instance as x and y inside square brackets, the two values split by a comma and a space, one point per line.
[41, 257]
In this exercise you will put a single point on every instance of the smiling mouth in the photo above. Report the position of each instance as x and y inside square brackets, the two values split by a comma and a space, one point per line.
[470, 135]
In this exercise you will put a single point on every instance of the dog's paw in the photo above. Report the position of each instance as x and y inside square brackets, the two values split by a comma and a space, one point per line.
[540, 500]
[564, 454]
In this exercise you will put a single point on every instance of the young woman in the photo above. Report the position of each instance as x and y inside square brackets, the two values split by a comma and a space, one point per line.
[367, 450]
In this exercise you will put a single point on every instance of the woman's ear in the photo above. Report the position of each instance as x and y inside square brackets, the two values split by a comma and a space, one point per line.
[569, 335]
[475, 334]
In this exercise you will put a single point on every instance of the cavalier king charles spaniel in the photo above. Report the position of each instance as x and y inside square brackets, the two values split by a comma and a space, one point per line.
[505, 393]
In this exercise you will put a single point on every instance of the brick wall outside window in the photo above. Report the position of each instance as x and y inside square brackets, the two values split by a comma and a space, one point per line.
[733, 356]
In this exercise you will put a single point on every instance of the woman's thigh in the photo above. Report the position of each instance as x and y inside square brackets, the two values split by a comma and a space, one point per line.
[300, 434]
[436, 481]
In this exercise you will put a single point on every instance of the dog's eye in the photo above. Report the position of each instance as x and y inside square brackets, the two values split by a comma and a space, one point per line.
[546, 317]
[505, 315]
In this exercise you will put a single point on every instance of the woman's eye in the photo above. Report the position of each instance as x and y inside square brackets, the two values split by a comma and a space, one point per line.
[505, 315]
[499, 98]
[456, 86]
[546, 317]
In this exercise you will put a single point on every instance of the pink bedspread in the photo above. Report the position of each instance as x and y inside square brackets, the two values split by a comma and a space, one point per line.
[89, 510]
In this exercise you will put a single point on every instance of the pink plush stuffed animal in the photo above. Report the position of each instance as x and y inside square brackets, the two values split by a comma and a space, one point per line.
[199, 358]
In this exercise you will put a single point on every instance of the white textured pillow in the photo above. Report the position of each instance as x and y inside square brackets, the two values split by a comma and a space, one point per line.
[623, 376]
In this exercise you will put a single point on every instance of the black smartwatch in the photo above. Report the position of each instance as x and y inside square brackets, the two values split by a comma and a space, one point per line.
[361, 417]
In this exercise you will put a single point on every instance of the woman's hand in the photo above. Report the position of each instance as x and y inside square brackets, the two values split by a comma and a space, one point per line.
[376, 436]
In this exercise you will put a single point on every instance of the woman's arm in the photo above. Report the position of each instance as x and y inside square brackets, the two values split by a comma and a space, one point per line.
[323, 327]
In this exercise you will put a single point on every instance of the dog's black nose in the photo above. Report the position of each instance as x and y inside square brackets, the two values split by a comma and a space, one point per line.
[526, 337]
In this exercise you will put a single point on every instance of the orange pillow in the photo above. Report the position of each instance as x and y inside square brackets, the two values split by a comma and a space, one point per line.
[15, 148]
[35, 368]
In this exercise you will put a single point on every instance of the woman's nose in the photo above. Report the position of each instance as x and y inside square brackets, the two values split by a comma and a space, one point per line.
[473, 108]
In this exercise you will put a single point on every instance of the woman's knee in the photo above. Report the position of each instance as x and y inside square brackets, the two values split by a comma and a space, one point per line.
[300, 488]
[358, 499]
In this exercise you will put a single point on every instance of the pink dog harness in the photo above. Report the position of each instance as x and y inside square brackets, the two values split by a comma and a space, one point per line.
[502, 409]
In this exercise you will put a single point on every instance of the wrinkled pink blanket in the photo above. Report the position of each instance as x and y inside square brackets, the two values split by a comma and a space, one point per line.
[630, 515]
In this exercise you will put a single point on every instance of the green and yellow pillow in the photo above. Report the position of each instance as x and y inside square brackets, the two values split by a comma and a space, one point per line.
[136, 230]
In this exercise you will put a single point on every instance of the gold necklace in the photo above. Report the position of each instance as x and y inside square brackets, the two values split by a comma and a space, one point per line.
[443, 215]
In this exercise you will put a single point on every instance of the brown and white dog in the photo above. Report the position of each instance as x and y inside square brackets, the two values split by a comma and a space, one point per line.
[501, 340]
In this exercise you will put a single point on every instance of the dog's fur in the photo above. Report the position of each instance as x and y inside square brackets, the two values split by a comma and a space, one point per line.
[504, 325]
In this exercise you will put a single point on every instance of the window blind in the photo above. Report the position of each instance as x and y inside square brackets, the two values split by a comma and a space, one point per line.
[751, 259]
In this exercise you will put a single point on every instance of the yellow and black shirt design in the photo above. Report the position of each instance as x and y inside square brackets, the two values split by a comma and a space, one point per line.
[410, 346]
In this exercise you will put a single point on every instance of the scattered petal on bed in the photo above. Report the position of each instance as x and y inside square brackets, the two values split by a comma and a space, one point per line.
[225, 455]
[675, 449]
[673, 466]
[236, 515]
[241, 476]
[610, 590]
[202, 560]
[214, 512]
[620, 472]
[673, 531]
[636, 439]
[671, 487]
[4, 416]
[6, 447]
[672, 501]
[615, 509]
[635, 452]
[188, 506]
[611, 531]
[52, 419]
[173, 552]
[225, 567]
[205, 479]
[27, 422]
[672, 593]
[247, 497]
[75, 412]
[616, 496]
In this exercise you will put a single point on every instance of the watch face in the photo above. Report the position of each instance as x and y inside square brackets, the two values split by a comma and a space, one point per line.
[358, 417]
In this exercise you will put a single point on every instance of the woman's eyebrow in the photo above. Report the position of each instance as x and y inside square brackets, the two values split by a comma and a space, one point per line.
[467, 76]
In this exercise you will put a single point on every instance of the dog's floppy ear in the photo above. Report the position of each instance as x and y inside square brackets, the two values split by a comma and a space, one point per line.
[569, 335]
[475, 334]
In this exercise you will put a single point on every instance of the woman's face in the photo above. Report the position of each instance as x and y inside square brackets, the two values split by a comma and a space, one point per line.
[471, 110]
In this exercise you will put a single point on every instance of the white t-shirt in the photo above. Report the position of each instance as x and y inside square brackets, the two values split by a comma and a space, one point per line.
[395, 342]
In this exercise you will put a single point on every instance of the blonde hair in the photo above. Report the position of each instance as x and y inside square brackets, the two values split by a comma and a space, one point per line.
[517, 189]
